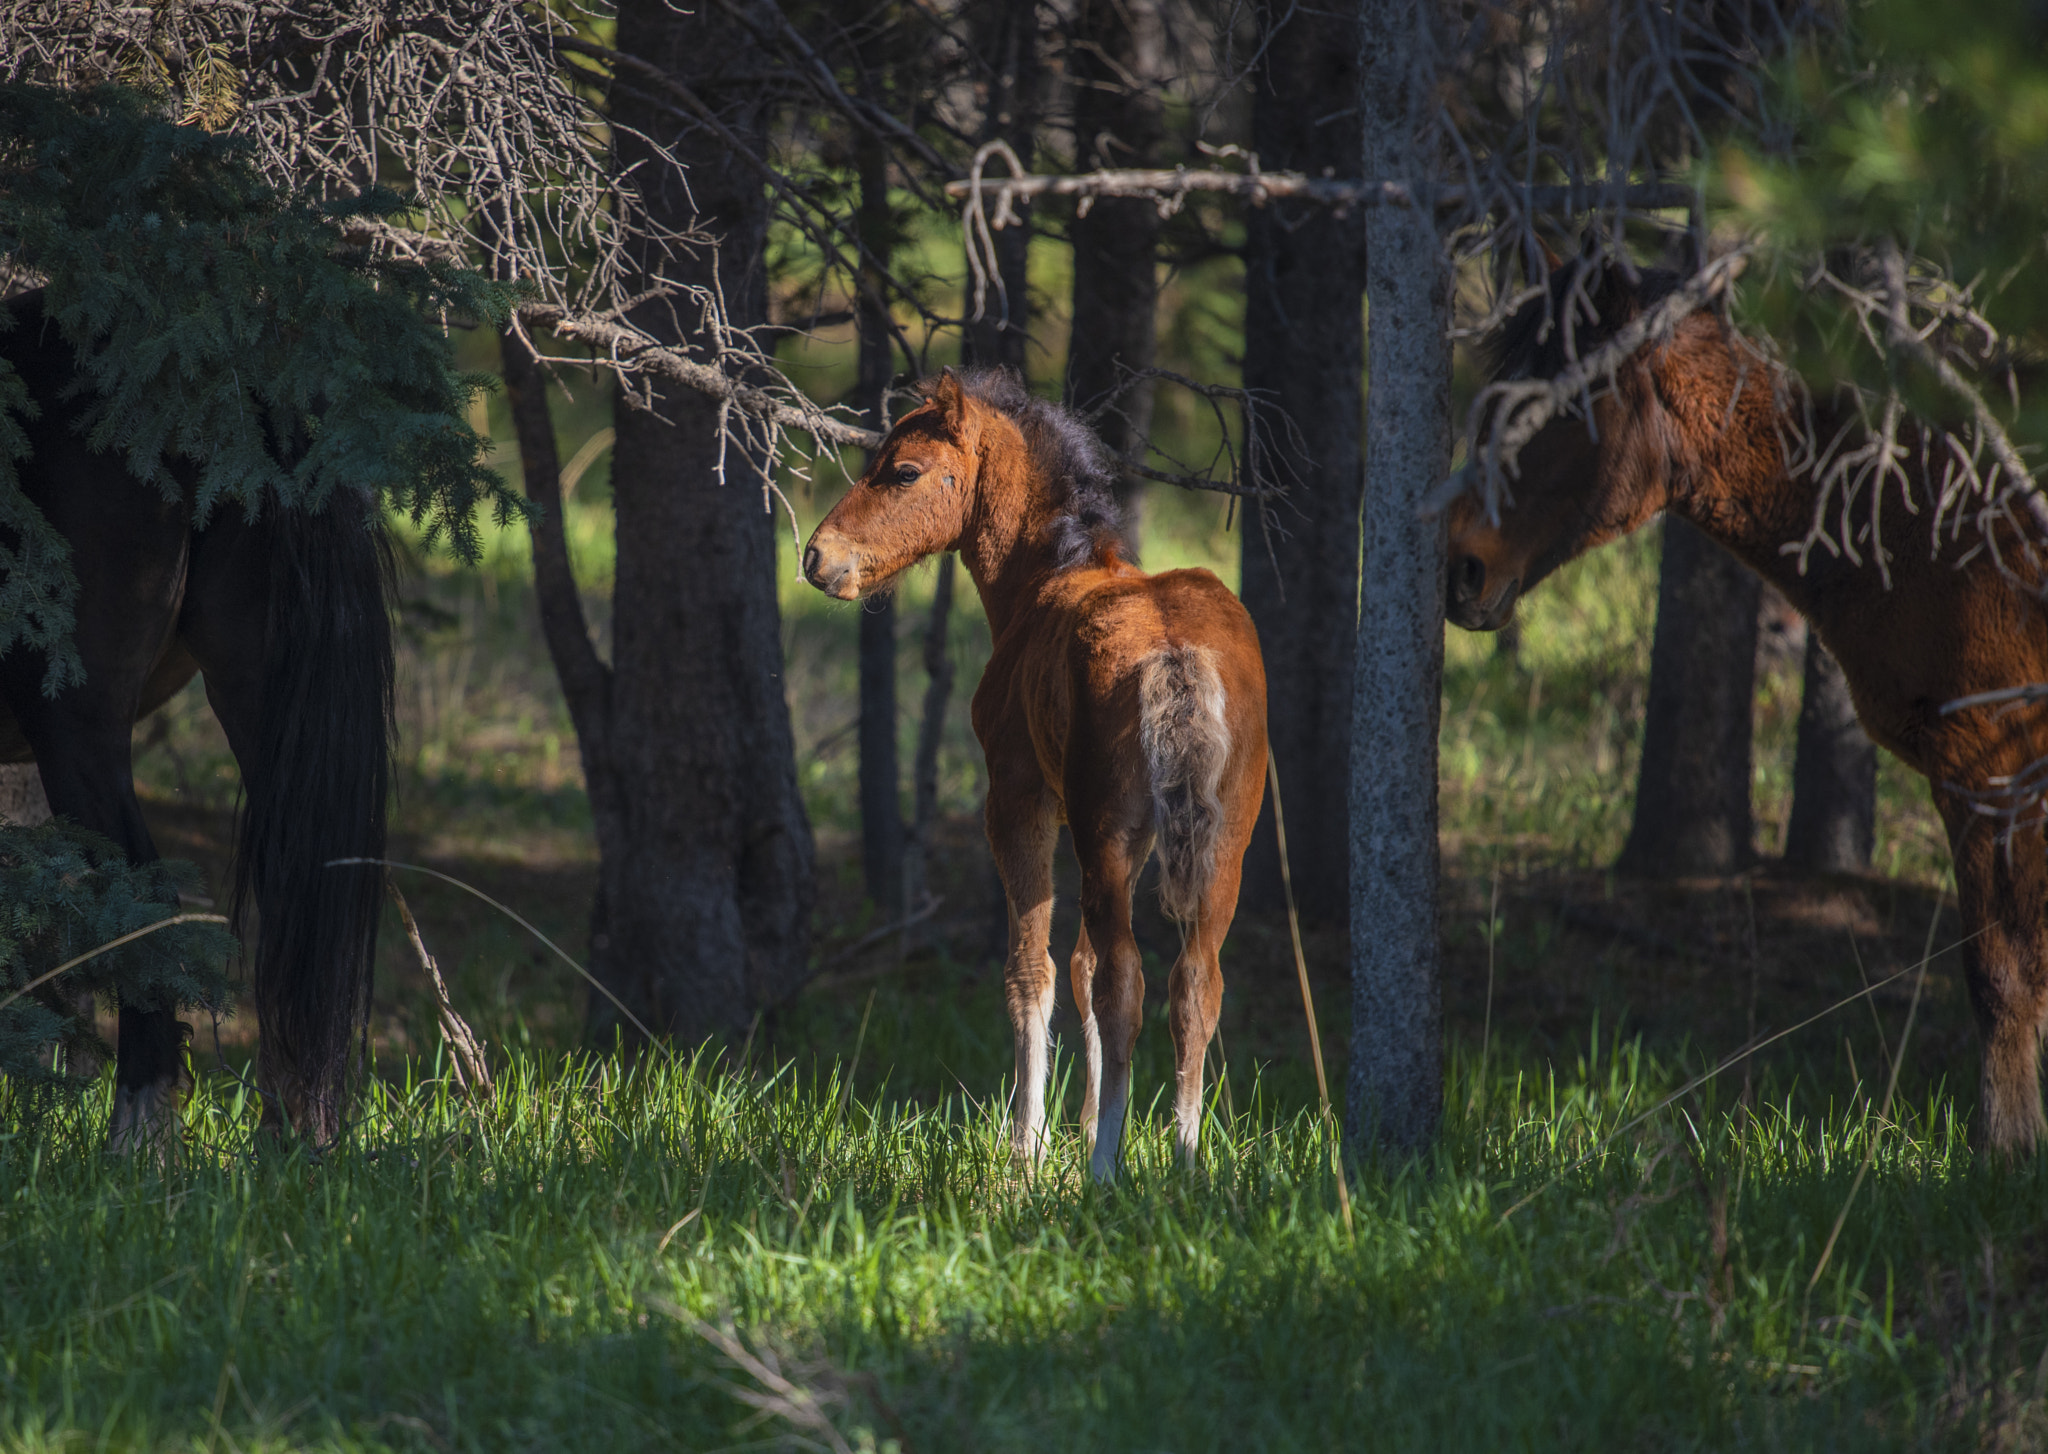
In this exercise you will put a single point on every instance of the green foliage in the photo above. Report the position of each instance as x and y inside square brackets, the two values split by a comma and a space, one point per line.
[228, 327]
[532, 1272]
[64, 891]
[1921, 124]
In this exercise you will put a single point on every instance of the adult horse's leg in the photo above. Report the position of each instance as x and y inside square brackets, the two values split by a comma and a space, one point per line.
[1194, 994]
[2002, 890]
[287, 620]
[128, 550]
[1021, 832]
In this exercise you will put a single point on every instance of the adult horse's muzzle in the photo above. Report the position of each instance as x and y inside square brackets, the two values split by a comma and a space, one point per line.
[833, 565]
[1466, 602]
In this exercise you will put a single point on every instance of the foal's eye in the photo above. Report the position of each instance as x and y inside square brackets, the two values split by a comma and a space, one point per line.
[907, 474]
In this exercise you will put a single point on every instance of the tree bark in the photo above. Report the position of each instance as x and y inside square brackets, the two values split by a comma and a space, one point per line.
[938, 672]
[1692, 813]
[1304, 350]
[881, 808]
[705, 881]
[1005, 36]
[1115, 61]
[586, 680]
[22, 803]
[1834, 774]
[1395, 1094]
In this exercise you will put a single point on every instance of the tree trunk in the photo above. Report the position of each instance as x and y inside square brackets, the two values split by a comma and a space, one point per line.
[22, 803]
[938, 672]
[881, 808]
[1395, 1099]
[1304, 350]
[705, 881]
[1834, 774]
[1692, 797]
[1005, 37]
[1115, 62]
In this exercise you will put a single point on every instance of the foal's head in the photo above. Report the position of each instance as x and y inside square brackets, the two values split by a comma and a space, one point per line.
[913, 501]
[1581, 482]
[981, 457]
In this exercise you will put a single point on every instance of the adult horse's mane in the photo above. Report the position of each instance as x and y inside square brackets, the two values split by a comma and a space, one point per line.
[1067, 455]
[1535, 344]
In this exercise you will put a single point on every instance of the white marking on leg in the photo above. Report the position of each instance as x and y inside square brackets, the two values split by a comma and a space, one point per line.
[146, 1119]
[1109, 1126]
[1187, 1113]
[1091, 1099]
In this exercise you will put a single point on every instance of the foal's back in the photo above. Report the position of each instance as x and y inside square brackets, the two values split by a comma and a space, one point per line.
[1073, 670]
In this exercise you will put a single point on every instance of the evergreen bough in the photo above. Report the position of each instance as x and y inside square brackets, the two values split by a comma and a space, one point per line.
[64, 891]
[224, 324]
[230, 326]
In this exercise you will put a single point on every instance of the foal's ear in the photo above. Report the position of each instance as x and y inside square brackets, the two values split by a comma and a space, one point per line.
[951, 400]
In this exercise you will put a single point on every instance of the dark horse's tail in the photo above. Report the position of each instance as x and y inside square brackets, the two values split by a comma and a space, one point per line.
[315, 788]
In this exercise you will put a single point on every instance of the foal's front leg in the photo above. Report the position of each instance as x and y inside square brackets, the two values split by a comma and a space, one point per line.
[1022, 829]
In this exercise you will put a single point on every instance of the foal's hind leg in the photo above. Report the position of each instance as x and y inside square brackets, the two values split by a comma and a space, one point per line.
[1081, 972]
[1195, 999]
[1021, 832]
[1110, 862]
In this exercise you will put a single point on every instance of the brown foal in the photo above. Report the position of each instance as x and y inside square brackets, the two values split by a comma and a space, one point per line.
[1698, 425]
[1130, 707]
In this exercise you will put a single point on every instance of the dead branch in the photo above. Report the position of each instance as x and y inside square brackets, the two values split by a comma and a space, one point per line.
[472, 1069]
[1508, 413]
[628, 351]
[460, 103]
[1911, 316]
[1171, 188]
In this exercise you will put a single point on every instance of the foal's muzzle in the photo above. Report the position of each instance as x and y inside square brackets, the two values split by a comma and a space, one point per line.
[833, 565]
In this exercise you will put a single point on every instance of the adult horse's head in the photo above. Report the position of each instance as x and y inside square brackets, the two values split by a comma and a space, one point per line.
[914, 500]
[1580, 481]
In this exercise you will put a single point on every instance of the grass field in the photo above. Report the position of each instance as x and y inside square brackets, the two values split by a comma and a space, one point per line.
[820, 1243]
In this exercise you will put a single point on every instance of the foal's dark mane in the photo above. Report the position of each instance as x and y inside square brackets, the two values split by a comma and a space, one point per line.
[1532, 345]
[1066, 453]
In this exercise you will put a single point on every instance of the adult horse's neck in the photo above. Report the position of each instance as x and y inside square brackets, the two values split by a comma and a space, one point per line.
[1729, 475]
[1008, 546]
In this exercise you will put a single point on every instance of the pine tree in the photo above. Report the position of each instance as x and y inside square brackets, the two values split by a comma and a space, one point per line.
[227, 325]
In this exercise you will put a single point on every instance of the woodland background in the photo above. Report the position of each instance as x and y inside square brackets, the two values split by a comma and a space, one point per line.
[754, 812]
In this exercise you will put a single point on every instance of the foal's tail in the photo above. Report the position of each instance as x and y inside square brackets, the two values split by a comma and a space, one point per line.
[1186, 743]
[315, 787]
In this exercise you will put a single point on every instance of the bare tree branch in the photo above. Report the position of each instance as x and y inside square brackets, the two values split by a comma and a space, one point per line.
[1169, 188]
[1508, 413]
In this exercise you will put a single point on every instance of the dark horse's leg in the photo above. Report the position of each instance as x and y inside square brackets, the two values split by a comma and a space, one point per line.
[129, 553]
[2003, 893]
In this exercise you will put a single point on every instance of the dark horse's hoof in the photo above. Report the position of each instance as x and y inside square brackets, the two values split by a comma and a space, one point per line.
[147, 1119]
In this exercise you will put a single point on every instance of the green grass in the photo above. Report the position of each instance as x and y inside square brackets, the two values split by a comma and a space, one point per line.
[532, 1273]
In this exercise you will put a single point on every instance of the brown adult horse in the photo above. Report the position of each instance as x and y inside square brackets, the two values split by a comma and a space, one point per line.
[1697, 425]
[1130, 707]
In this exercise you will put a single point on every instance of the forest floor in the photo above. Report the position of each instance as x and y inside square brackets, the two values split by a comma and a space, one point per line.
[819, 1241]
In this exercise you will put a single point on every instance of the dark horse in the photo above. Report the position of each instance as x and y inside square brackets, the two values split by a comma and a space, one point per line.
[286, 618]
[1130, 707]
[1699, 425]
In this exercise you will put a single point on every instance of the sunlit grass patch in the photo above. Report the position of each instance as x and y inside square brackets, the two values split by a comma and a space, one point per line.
[534, 1270]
